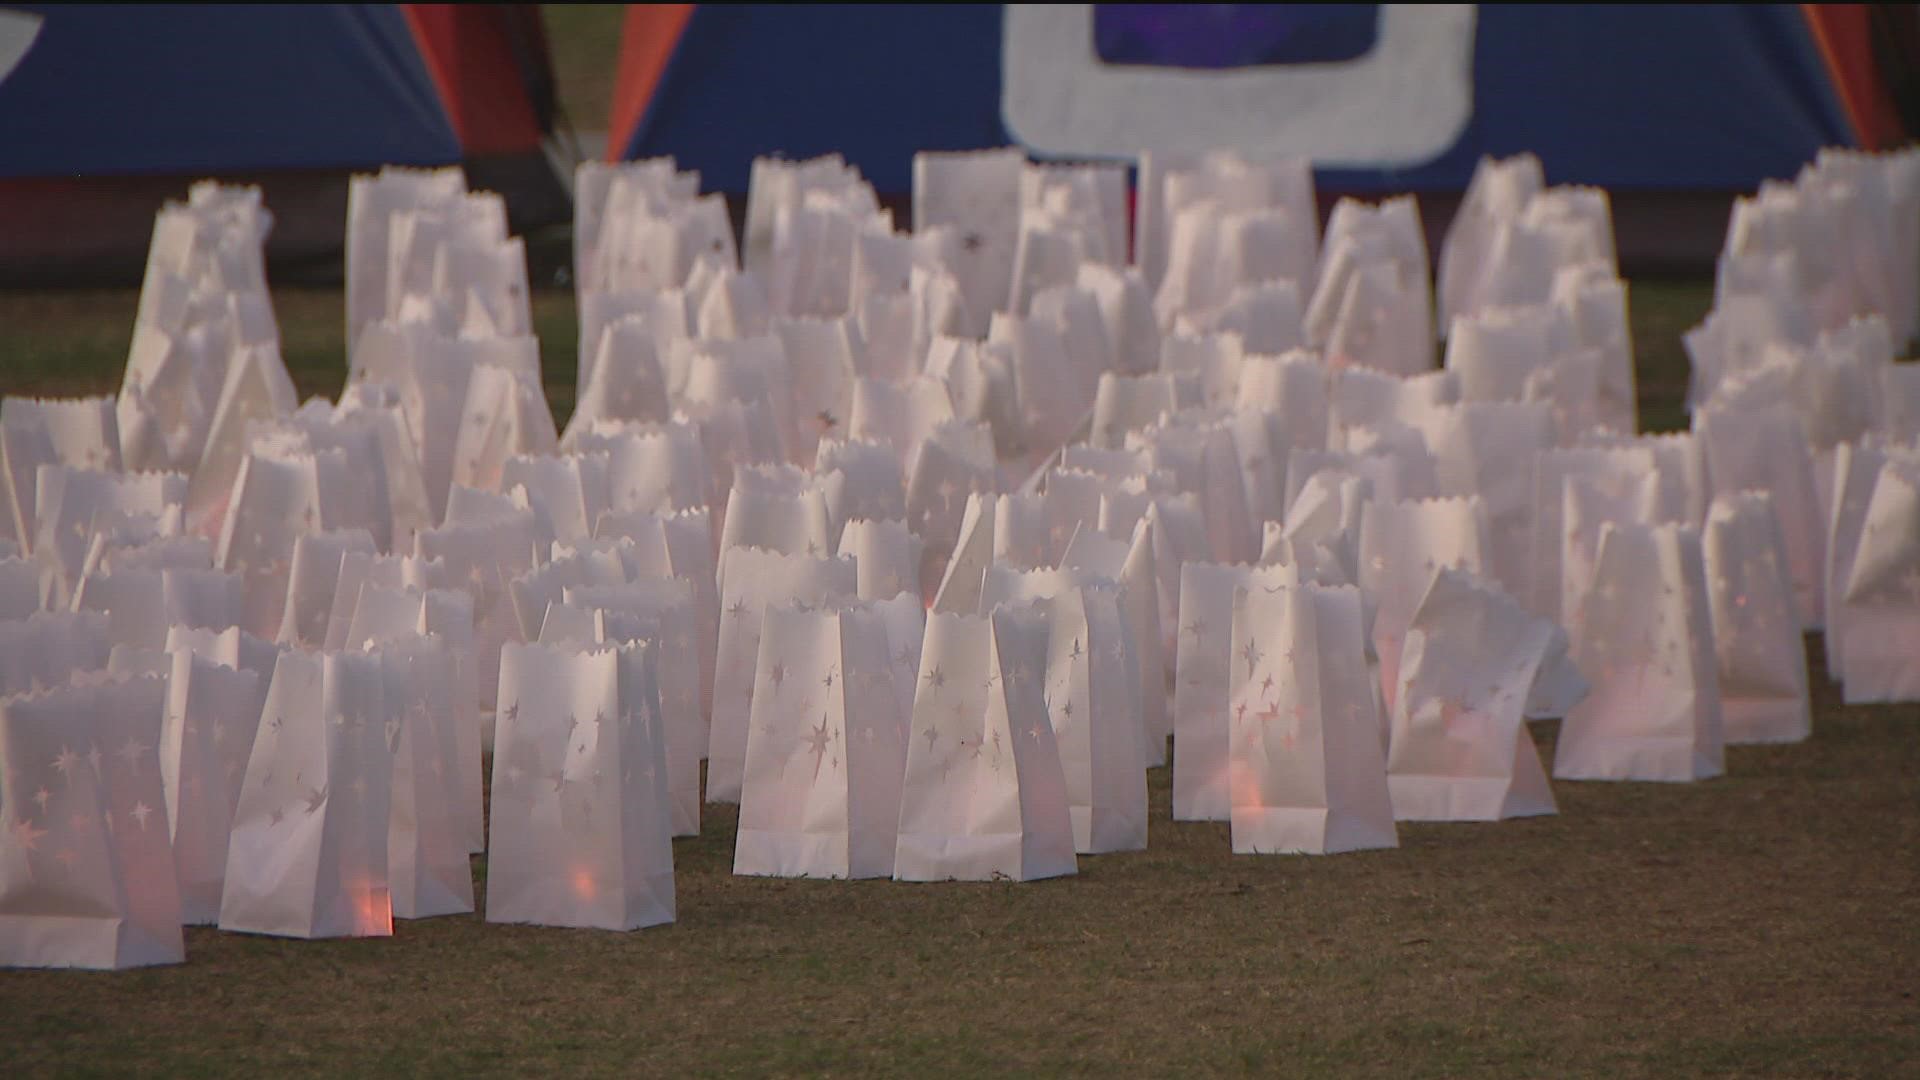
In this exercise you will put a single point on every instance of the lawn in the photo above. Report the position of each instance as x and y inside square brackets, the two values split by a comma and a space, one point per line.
[1764, 923]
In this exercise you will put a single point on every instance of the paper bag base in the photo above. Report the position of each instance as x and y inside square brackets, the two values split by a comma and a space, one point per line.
[1202, 792]
[581, 903]
[1464, 798]
[767, 853]
[1289, 830]
[1671, 761]
[432, 895]
[683, 808]
[61, 941]
[1751, 720]
[1098, 832]
[978, 858]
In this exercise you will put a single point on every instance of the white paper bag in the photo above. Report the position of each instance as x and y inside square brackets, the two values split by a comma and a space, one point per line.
[1856, 468]
[257, 387]
[1128, 403]
[142, 604]
[679, 545]
[1644, 636]
[276, 500]
[859, 480]
[80, 433]
[1595, 303]
[977, 194]
[826, 749]
[428, 872]
[1880, 617]
[46, 648]
[312, 582]
[1203, 460]
[70, 505]
[1361, 396]
[399, 614]
[956, 461]
[1308, 774]
[1131, 564]
[532, 591]
[1127, 309]
[212, 715]
[1762, 659]
[1767, 451]
[886, 558]
[961, 578]
[659, 612]
[822, 358]
[1588, 505]
[624, 381]
[775, 509]
[1497, 193]
[1460, 750]
[901, 414]
[1203, 679]
[485, 558]
[359, 569]
[579, 833]
[1487, 449]
[86, 872]
[1091, 677]
[1402, 545]
[19, 588]
[652, 468]
[1616, 470]
[985, 795]
[566, 494]
[1179, 536]
[308, 853]
[755, 580]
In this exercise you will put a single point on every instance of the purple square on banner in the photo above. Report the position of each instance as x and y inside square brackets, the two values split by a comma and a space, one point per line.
[1225, 36]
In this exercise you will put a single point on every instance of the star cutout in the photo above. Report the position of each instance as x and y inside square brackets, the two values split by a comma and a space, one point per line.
[817, 740]
[1251, 654]
[66, 762]
[131, 752]
[936, 678]
[140, 812]
[27, 834]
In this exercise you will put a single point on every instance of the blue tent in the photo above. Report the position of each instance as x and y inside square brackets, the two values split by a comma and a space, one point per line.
[110, 109]
[1682, 96]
